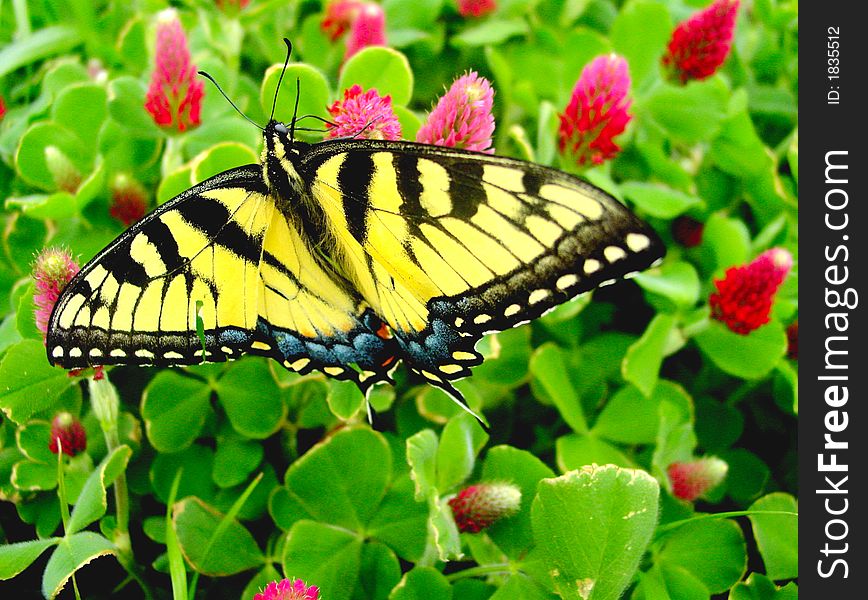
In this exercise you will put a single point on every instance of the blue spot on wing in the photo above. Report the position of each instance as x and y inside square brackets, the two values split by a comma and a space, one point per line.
[359, 346]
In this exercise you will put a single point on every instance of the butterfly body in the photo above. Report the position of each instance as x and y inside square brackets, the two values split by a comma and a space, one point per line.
[347, 256]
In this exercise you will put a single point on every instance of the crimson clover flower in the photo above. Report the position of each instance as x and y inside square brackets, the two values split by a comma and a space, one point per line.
[339, 16]
[365, 115]
[691, 480]
[462, 117]
[288, 590]
[597, 111]
[476, 8]
[52, 270]
[701, 44]
[67, 435]
[744, 297]
[367, 29]
[174, 97]
[478, 506]
[129, 201]
[687, 231]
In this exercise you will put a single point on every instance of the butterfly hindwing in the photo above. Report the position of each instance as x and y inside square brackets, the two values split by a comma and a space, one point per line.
[448, 245]
[309, 318]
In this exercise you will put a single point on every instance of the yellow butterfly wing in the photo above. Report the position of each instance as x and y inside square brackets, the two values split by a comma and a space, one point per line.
[223, 257]
[194, 258]
[447, 245]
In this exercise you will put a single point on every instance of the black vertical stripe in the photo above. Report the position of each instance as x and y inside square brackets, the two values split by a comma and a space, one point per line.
[354, 178]
[126, 270]
[466, 189]
[531, 183]
[213, 219]
[161, 237]
[409, 188]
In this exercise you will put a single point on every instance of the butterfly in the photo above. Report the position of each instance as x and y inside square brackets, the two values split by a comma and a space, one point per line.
[347, 256]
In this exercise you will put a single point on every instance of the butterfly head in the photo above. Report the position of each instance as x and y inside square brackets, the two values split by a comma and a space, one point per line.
[281, 156]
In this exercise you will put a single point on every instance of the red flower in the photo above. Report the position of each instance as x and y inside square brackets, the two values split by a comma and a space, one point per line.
[364, 114]
[478, 506]
[690, 480]
[744, 296]
[67, 435]
[52, 270]
[476, 8]
[368, 29]
[288, 590]
[339, 16]
[129, 200]
[793, 340]
[2, 108]
[687, 231]
[462, 117]
[700, 44]
[174, 97]
[597, 111]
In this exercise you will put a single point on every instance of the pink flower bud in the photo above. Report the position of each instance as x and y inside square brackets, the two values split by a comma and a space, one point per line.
[174, 97]
[66, 175]
[52, 270]
[129, 201]
[701, 44]
[476, 8]
[339, 16]
[367, 29]
[462, 117]
[288, 590]
[691, 480]
[478, 506]
[597, 111]
[364, 114]
[687, 231]
[67, 435]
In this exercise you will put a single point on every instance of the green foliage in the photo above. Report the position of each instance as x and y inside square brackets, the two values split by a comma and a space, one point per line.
[236, 475]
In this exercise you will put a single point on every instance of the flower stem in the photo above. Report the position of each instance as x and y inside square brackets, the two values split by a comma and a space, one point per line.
[105, 403]
[697, 327]
[493, 569]
[64, 505]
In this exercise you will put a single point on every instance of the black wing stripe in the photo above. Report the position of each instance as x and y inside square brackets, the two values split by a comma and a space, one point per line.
[355, 174]
[215, 221]
[161, 237]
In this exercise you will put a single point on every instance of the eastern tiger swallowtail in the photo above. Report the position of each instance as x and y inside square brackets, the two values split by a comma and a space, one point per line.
[347, 256]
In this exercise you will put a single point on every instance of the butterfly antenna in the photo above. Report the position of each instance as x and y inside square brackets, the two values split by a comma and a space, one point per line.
[366, 127]
[319, 118]
[228, 99]
[280, 80]
[295, 110]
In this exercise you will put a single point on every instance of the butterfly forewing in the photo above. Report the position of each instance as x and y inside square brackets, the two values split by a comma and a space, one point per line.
[447, 245]
[196, 258]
